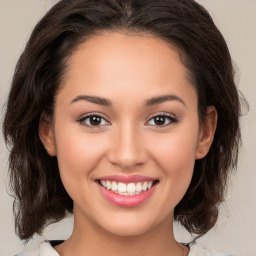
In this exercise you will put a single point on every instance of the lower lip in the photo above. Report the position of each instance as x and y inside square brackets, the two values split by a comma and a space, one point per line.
[126, 201]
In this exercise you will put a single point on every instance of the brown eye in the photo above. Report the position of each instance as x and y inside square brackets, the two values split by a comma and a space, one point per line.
[93, 120]
[162, 120]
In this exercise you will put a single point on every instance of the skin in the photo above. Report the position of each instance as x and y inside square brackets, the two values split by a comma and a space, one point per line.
[127, 70]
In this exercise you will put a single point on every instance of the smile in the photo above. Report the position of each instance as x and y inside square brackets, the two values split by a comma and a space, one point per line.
[129, 189]
[126, 191]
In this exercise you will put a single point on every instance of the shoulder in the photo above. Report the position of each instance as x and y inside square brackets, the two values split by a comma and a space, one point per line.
[45, 249]
[30, 252]
[197, 250]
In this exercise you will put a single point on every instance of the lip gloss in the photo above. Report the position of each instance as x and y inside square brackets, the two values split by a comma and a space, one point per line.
[126, 200]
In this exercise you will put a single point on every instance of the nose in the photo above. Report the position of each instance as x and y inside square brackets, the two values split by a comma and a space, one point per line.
[127, 148]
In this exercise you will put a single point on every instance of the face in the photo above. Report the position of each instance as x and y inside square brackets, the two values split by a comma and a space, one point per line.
[125, 132]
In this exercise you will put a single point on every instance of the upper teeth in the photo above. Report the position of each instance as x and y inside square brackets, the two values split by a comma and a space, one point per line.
[126, 189]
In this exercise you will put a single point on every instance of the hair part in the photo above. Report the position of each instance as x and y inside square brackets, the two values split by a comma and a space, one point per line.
[40, 197]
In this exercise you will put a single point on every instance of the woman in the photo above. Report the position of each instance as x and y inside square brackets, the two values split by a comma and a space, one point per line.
[126, 114]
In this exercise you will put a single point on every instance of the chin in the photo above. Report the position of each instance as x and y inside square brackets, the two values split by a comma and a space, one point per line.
[127, 230]
[133, 225]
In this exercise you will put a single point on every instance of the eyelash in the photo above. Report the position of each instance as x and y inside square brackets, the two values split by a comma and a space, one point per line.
[171, 118]
[88, 116]
[83, 119]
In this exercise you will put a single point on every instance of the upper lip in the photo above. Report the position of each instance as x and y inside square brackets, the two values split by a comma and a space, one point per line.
[127, 179]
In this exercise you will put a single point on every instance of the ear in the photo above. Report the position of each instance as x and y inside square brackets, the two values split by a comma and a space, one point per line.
[206, 132]
[46, 134]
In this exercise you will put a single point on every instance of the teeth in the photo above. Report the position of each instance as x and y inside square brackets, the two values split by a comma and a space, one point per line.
[145, 186]
[129, 189]
[114, 186]
[138, 187]
[150, 184]
[121, 187]
[109, 185]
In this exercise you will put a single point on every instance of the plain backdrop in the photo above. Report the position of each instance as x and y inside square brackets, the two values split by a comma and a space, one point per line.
[236, 229]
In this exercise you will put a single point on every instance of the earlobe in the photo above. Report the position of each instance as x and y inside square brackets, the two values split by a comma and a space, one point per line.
[206, 133]
[46, 134]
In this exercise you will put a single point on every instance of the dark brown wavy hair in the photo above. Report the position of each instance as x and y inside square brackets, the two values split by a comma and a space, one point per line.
[40, 197]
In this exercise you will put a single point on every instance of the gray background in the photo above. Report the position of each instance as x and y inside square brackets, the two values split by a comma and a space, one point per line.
[236, 229]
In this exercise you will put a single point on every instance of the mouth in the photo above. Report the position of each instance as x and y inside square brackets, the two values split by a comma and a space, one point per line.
[127, 189]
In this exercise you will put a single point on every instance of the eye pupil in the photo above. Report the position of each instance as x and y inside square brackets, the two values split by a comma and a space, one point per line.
[159, 120]
[95, 120]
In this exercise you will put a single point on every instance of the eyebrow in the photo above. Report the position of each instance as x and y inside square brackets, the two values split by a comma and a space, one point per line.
[164, 98]
[150, 102]
[93, 99]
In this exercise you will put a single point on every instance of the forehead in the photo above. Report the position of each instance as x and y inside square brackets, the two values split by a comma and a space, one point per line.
[109, 49]
[121, 62]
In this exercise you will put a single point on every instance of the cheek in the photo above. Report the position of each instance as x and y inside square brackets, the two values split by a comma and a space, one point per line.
[175, 154]
[78, 155]
[176, 150]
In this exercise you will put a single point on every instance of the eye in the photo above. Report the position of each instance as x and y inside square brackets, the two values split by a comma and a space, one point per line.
[93, 120]
[162, 120]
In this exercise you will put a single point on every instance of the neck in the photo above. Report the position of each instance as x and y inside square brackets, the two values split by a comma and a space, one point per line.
[89, 239]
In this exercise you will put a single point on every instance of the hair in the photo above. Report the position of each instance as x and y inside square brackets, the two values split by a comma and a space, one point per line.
[40, 198]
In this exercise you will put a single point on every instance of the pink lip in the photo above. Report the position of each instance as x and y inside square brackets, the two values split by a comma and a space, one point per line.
[127, 179]
[126, 201]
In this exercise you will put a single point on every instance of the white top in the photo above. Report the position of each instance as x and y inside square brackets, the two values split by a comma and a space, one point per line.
[46, 249]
